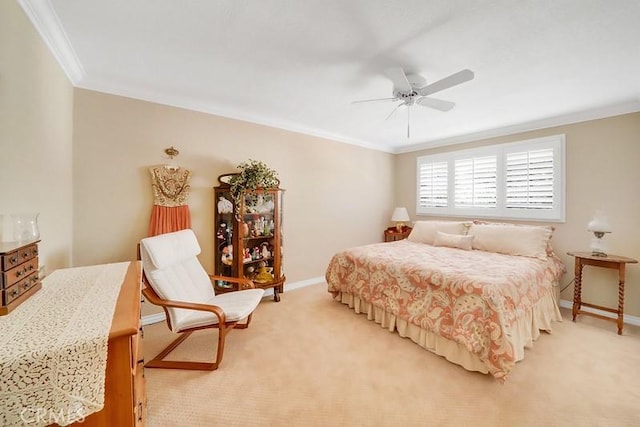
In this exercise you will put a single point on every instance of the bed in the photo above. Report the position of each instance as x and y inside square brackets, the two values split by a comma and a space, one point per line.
[474, 293]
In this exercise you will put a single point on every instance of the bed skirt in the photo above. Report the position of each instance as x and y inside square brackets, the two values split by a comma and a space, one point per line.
[525, 330]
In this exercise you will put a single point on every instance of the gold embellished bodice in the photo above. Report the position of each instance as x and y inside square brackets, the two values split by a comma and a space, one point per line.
[170, 186]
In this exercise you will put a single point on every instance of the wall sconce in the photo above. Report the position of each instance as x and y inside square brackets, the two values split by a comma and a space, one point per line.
[400, 216]
[599, 225]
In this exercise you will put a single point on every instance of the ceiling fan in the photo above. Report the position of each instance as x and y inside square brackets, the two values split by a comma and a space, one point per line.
[412, 89]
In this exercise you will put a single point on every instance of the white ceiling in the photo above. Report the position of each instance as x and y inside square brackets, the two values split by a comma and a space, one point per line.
[298, 64]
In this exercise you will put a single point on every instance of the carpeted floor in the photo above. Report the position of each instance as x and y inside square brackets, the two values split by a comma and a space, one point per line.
[311, 361]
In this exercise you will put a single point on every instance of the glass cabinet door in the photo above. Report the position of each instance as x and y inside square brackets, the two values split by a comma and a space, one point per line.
[261, 236]
[224, 253]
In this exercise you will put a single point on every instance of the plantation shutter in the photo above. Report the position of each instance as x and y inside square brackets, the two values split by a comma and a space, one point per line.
[433, 184]
[476, 182]
[529, 179]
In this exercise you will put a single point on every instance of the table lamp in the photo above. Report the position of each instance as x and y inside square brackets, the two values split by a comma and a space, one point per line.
[400, 216]
[599, 225]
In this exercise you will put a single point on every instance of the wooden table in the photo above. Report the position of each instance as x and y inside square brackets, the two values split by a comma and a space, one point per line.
[609, 261]
[392, 234]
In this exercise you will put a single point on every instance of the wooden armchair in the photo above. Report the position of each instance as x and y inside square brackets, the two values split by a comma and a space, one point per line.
[175, 280]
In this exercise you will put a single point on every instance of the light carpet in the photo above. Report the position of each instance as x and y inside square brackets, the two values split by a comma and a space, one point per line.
[311, 361]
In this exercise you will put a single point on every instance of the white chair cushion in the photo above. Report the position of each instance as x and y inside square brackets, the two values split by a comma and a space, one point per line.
[236, 306]
[173, 270]
[167, 249]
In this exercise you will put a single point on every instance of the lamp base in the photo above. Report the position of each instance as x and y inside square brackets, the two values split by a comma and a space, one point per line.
[598, 253]
[399, 227]
[597, 246]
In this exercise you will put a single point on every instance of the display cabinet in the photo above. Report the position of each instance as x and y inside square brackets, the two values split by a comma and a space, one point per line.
[248, 239]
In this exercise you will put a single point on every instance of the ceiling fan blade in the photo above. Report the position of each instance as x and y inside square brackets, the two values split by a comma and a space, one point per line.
[375, 100]
[399, 79]
[393, 111]
[435, 103]
[447, 82]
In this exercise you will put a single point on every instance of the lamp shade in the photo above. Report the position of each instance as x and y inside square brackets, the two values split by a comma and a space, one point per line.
[600, 224]
[400, 215]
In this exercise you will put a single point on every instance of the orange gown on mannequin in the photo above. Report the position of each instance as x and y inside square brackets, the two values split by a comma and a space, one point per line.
[170, 211]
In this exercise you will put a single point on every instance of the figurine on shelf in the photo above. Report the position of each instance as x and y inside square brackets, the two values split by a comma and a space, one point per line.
[262, 206]
[227, 255]
[266, 253]
[222, 232]
[224, 206]
[255, 254]
[247, 255]
[264, 274]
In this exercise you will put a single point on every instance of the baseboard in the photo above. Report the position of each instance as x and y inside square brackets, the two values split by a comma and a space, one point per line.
[159, 317]
[152, 318]
[628, 319]
[296, 285]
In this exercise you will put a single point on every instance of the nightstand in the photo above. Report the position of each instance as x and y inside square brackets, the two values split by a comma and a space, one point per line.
[392, 234]
[610, 261]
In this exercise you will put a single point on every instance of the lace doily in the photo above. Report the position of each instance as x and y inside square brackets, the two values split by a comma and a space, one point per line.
[53, 347]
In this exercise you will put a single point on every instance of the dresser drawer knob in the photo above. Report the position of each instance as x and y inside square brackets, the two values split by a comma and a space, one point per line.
[13, 259]
[14, 292]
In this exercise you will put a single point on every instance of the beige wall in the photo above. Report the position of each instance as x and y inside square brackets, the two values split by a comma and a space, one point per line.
[36, 110]
[602, 171]
[337, 195]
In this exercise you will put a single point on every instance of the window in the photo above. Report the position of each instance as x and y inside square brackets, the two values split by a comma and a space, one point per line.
[432, 192]
[475, 182]
[520, 180]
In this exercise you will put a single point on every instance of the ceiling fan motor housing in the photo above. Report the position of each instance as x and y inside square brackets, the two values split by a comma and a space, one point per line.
[416, 82]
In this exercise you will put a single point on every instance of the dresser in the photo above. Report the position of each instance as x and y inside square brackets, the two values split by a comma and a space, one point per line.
[84, 325]
[125, 397]
[19, 279]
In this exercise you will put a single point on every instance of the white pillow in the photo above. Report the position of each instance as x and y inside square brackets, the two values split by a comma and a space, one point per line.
[524, 240]
[425, 231]
[453, 241]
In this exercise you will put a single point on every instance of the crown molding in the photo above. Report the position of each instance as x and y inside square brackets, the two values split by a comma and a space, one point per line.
[46, 22]
[632, 106]
[187, 103]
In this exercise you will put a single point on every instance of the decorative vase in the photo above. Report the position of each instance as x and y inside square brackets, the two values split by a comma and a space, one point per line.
[25, 227]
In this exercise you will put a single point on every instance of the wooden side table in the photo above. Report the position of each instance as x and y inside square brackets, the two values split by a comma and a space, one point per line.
[609, 261]
[392, 234]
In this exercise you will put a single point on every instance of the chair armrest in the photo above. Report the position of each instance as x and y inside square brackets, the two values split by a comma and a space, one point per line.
[153, 298]
[243, 283]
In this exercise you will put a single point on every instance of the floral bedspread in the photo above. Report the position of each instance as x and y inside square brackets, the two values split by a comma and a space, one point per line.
[469, 297]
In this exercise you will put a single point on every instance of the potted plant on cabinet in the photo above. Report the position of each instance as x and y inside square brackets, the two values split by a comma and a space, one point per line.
[254, 175]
